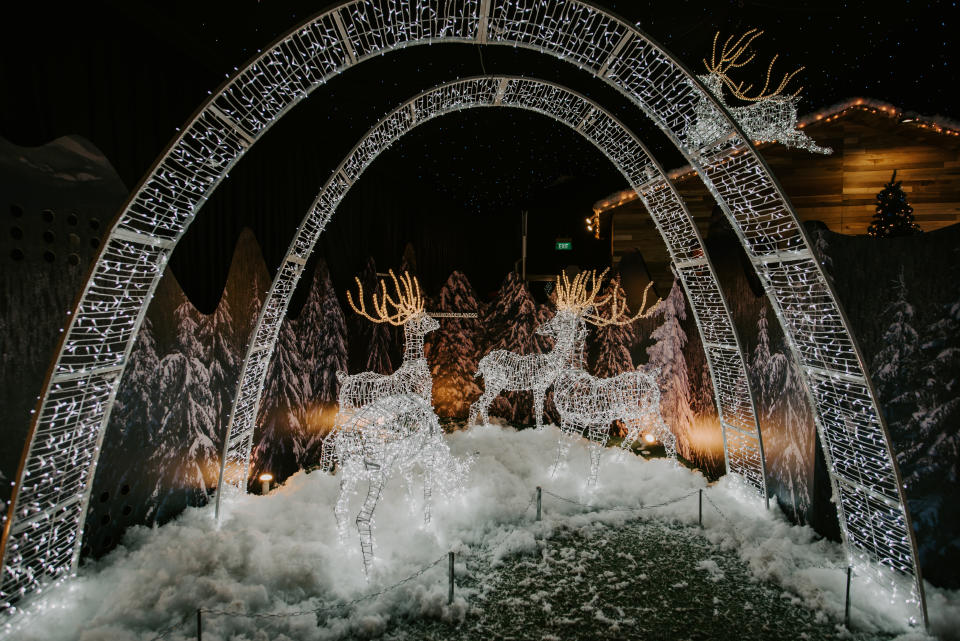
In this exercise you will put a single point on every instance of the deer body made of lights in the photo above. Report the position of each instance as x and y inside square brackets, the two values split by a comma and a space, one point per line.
[413, 375]
[771, 118]
[394, 433]
[587, 404]
[503, 370]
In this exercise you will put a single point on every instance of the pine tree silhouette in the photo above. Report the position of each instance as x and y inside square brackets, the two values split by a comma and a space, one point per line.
[894, 216]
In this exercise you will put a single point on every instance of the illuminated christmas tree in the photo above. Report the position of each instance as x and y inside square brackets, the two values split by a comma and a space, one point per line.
[894, 216]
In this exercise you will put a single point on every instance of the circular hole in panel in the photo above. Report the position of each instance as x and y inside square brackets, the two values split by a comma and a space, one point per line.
[74, 240]
[16, 211]
[16, 233]
[16, 254]
[105, 497]
[49, 236]
[47, 215]
[49, 256]
[127, 510]
[94, 224]
[72, 219]
[107, 541]
[105, 519]
[125, 489]
[73, 259]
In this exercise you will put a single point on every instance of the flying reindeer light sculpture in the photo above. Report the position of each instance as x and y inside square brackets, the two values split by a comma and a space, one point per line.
[405, 308]
[587, 404]
[771, 118]
[394, 433]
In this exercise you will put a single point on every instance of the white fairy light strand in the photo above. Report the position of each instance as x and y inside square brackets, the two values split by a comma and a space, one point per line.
[43, 531]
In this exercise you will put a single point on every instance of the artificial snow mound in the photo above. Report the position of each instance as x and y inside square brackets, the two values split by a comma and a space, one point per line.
[280, 553]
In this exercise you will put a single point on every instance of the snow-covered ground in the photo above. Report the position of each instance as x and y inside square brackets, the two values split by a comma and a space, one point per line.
[280, 553]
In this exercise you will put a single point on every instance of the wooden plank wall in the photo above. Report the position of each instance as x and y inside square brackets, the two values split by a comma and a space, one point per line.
[839, 189]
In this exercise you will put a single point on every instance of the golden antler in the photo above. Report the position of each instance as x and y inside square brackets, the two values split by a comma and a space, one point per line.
[408, 303]
[618, 311]
[574, 296]
[731, 57]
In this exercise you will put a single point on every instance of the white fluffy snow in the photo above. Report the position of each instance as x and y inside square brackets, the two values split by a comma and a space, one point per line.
[279, 553]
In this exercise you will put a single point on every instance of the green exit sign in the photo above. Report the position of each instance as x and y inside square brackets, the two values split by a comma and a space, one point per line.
[563, 244]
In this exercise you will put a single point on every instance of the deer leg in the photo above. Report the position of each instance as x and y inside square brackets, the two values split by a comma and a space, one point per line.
[666, 436]
[563, 445]
[365, 517]
[599, 434]
[538, 395]
[347, 483]
[480, 407]
[633, 432]
[428, 478]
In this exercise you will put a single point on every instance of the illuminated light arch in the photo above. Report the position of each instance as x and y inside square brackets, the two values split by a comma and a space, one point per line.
[743, 446]
[42, 533]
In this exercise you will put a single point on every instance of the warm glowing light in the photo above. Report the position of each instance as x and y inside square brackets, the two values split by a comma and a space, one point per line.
[649, 438]
[266, 477]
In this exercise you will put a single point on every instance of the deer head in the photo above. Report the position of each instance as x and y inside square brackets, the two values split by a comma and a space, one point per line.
[404, 308]
[735, 54]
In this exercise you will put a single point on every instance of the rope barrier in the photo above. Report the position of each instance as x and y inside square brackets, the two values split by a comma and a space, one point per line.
[333, 608]
[324, 609]
[619, 508]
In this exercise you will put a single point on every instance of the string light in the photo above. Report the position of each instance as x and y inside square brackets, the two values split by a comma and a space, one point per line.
[43, 531]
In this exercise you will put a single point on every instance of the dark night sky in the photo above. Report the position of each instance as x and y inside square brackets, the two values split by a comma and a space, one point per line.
[126, 74]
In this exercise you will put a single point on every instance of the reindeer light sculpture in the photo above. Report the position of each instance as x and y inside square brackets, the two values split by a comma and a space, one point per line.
[771, 118]
[505, 370]
[405, 308]
[587, 405]
[397, 432]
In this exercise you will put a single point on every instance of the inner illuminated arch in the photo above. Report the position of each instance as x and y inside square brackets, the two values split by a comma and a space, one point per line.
[44, 526]
[743, 445]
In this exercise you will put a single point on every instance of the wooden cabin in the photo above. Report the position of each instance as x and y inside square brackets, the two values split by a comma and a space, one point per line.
[869, 140]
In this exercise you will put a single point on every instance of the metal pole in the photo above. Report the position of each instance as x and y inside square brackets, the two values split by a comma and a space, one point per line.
[700, 516]
[846, 609]
[539, 500]
[199, 626]
[523, 246]
[450, 575]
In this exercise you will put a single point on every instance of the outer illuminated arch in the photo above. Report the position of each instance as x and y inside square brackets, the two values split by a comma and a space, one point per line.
[44, 526]
[743, 446]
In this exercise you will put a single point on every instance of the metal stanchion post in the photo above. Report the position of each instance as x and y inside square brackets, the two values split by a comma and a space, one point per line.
[199, 626]
[539, 500]
[700, 516]
[450, 572]
[846, 609]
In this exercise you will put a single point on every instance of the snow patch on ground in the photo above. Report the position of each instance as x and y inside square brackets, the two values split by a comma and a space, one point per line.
[280, 553]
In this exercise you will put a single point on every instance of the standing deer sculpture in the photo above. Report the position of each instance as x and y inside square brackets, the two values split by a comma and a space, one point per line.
[587, 404]
[405, 308]
[772, 116]
[503, 370]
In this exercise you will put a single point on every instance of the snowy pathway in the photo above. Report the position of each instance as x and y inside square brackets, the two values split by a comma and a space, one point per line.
[279, 554]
